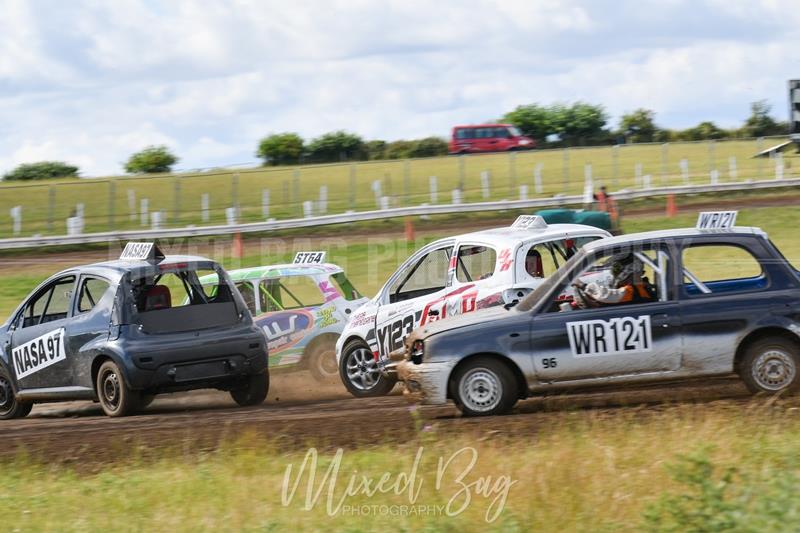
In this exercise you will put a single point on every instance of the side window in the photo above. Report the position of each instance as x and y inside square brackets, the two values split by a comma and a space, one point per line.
[346, 288]
[502, 133]
[426, 276]
[289, 292]
[91, 291]
[475, 263]
[52, 303]
[720, 268]
[621, 277]
[544, 258]
[248, 294]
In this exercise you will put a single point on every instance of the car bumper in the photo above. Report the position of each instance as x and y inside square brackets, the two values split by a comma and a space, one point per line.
[425, 383]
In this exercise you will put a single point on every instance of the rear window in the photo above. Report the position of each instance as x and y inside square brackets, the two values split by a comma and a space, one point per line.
[176, 300]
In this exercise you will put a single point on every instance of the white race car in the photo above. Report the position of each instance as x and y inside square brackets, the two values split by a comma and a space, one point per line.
[450, 277]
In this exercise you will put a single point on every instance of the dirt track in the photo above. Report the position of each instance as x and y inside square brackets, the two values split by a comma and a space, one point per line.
[191, 423]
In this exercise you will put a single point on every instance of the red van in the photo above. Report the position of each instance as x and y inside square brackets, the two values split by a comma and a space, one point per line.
[488, 138]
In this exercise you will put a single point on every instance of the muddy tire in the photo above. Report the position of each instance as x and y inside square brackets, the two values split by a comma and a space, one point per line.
[9, 406]
[321, 363]
[360, 374]
[484, 386]
[772, 366]
[115, 397]
[253, 392]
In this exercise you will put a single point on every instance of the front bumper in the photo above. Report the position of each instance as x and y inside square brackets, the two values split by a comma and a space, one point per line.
[425, 383]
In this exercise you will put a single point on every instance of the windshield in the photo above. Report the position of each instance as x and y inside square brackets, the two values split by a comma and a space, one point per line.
[515, 131]
[542, 290]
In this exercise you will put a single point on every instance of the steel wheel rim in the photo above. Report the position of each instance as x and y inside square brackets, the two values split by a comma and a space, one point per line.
[327, 363]
[774, 370]
[362, 370]
[481, 390]
[111, 390]
[6, 395]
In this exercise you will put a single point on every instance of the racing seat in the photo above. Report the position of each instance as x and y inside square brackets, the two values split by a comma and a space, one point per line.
[157, 297]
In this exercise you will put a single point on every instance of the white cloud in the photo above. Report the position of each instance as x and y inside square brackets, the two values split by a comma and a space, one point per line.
[91, 82]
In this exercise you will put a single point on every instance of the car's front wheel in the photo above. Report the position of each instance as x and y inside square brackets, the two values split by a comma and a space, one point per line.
[484, 386]
[772, 365]
[360, 373]
[253, 392]
[10, 407]
[115, 397]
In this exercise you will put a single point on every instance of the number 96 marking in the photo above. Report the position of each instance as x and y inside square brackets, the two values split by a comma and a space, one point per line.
[549, 362]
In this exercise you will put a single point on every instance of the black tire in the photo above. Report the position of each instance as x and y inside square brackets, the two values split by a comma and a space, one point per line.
[771, 366]
[115, 397]
[360, 374]
[321, 362]
[10, 408]
[253, 392]
[484, 386]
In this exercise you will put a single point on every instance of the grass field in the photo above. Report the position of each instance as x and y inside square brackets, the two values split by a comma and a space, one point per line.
[45, 206]
[687, 467]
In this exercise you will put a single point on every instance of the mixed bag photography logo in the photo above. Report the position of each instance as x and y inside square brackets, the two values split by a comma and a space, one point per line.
[451, 485]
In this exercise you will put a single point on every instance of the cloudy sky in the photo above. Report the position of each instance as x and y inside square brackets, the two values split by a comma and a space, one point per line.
[91, 81]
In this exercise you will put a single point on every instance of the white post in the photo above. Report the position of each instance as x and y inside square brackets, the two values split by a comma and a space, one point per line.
[732, 171]
[523, 192]
[779, 166]
[73, 226]
[385, 202]
[16, 215]
[204, 206]
[684, 164]
[485, 185]
[132, 204]
[434, 187]
[144, 211]
[156, 218]
[265, 203]
[376, 190]
[537, 178]
[308, 209]
[230, 216]
[456, 195]
[647, 181]
[714, 177]
[322, 206]
[638, 173]
[79, 209]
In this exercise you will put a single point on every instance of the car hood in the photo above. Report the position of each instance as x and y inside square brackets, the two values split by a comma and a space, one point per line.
[476, 318]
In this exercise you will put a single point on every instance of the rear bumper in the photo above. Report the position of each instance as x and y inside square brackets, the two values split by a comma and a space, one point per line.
[221, 372]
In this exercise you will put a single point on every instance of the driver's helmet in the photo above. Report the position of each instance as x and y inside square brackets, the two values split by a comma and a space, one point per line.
[625, 268]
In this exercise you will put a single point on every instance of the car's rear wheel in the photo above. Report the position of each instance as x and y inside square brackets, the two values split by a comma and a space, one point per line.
[484, 386]
[360, 373]
[322, 362]
[772, 366]
[115, 397]
[10, 407]
[253, 392]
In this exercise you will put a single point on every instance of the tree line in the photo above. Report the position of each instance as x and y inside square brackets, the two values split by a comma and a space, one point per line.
[552, 126]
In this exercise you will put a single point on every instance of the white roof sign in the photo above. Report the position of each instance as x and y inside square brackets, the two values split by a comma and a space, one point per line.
[309, 258]
[528, 222]
[141, 251]
[716, 220]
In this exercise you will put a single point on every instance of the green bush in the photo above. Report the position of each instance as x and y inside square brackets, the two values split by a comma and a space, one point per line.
[151, 160]
[281, 149]
[41, 171]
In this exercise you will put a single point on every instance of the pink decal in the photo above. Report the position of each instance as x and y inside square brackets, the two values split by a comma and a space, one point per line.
[329, 291]
[505, 260]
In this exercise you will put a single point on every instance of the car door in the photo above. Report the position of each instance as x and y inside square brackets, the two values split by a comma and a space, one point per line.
[725, 288]
[634, 337]
[418, 282]
[39, 350]
[89, 326]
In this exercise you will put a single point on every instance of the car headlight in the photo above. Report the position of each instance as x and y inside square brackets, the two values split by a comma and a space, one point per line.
[417, 351]
[524, 141]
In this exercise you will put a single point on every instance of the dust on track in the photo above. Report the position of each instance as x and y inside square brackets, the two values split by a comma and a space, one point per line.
[328, 417]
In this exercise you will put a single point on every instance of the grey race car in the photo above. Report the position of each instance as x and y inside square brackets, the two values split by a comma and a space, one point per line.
[122, 331]
[712, 301]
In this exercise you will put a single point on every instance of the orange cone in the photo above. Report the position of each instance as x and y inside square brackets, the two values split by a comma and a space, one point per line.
[409, 229]
[238, 247]
[672, 208]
